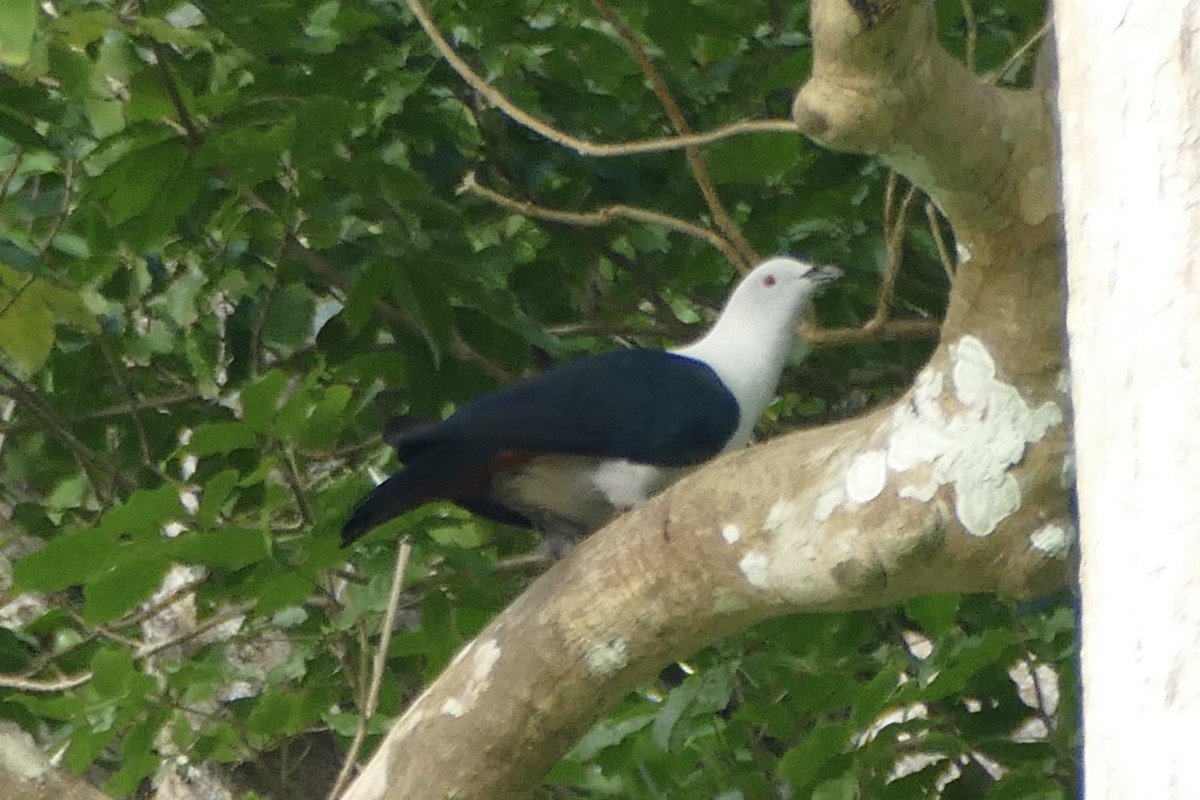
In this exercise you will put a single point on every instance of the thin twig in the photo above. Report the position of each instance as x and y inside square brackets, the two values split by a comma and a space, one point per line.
[87, 459]
[1043, 702]
[972, 33]
[125, 409]
[600, 217]
[231, 613]
[949, 265]
[1019, 53]
[894, 239]
[127, 390]
[747, 255]
[617, 329]
[292, 475]
[16, 294]
[64, 209]
[379, 665]
[191, 132]
[404, 552]
[583, 146]
[143, 652]
[169, 599]
[891, 330]
[34, 685]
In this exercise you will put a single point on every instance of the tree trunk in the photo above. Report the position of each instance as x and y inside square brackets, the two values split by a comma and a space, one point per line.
[1129, 101]
[957, 487]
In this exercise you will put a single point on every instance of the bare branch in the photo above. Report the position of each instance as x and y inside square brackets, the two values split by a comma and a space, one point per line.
[845, 516]
[935, 229]
[1036, 37]
[972, 33]
[599, 217]
[747, 256]
[582, 146]
[88, 460]
[378, 667]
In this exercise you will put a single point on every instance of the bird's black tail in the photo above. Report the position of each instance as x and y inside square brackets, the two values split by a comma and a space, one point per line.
[442, 472]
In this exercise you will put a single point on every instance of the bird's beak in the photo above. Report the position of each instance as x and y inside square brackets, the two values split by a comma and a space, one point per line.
[824, 274]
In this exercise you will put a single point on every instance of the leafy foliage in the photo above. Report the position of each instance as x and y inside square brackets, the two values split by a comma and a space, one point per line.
[232, 248]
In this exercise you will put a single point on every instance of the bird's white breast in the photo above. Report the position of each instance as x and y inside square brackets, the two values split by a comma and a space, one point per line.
[581, 491]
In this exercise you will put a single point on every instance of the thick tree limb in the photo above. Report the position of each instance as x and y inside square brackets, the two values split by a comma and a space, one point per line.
[957, 487]
[26, 774]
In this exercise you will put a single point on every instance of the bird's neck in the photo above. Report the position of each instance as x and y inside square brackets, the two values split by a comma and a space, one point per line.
[748, 360]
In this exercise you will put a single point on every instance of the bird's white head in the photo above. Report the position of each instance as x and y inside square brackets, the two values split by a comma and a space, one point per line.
[749, 342]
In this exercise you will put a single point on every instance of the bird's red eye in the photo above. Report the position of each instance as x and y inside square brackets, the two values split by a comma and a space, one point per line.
[769, 281]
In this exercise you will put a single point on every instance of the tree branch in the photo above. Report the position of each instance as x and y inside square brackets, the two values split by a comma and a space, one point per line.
[596, 218]
[955, 487]
[747, 257]
[582, 146]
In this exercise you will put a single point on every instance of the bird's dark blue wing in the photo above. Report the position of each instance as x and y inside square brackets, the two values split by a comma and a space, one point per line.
[646, 406]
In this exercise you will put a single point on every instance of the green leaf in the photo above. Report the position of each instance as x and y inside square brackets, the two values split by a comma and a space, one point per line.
[934, 613]
[275, 713]
[260, 399]
[874, 698]
[113, 672]
[212, 438]
[26, 325]
[328, 418]
[608, 733]
[802, 764]
[286, 589]
[229, 547]
[699, 695]
[753, 159]
[970, 657]
[843, 788]
[18, 257]
[290, 317]
[1018, 786]
[139, 758]
[69, 559]
[86, 743]
[131, 186]
[121, 588]
[15, 128]
[144, 514]
[417, 292]
[212, 499]
[16, 33]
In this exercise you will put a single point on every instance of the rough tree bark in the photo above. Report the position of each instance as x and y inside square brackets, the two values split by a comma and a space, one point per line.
[956, 487]
[1131, 177]
[27, 774]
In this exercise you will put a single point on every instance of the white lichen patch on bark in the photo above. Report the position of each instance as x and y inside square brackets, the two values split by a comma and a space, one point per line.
[731, 533]
[754, 567]
[962, 252]
[866, 477]
[1053, 540]
[827, 502]
[484, 656]
[606, 657]
[972, 447]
